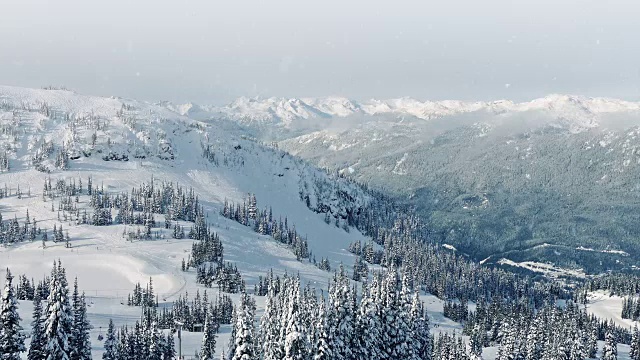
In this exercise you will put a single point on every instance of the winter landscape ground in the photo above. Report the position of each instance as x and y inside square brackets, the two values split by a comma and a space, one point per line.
[60, 137]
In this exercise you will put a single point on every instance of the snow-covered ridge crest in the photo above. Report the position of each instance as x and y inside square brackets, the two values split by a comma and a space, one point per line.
[285, 111]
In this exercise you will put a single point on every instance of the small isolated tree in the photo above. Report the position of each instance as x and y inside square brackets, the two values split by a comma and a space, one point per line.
[11, 340]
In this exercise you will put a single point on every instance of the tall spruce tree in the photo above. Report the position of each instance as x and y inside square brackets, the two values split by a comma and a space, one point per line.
[368, 324]
[634, 347]
[37, 345]
[80, 339]
[269, 331]
[59, 317]
[322, 350]
[341, 315]
[110, 343]
[208, 348]
[420, 344]
[155, 342]
[610, 348]
[11, 340]
[295, 346]
[169, 347]
[245, 340]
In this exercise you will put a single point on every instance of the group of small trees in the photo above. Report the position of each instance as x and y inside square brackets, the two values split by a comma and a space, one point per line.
[264, 223]
[143, 341]
[143, 297]
[12, 231]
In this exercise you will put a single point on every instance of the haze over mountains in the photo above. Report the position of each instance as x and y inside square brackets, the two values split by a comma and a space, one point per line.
[541, 180]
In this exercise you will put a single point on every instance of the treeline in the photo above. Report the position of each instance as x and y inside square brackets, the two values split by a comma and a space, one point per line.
[620, 284]
[550, 332]
[12, 231]
[193, 313]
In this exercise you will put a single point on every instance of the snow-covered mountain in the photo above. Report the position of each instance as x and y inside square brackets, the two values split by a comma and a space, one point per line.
[61, 139]
[581, 112]
[479, 167]
[61, 136]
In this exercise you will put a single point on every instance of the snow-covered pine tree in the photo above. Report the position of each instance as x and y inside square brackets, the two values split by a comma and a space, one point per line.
[341, 315]
[395, 329]
[59, 316]
[208, 347]
[634, 347]
[295, 346]
[610, 349]
[169, 347]
[420, 345]
[110, 344]
[155, 342]
[11, 340]
[368, 323]
[269, 331]
[80, 342]
[245, 341]
[322, 349]
[37, 345]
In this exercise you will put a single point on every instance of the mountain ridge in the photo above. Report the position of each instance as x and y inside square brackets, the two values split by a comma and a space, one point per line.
[284, 112]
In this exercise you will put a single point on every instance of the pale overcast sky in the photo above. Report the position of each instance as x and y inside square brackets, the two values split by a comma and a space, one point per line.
[215, 50]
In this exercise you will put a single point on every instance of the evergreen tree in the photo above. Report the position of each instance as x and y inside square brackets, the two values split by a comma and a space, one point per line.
[323, 347]
[610, 349]
[245, 346]
[169, 347]
[155, 342]
[80, 340]
[11, 340]
[110, 343]
[420, 343]
[368, 323]
[295, 346]
[37, 345]
[59, 317]
[208, 338]
[634, 347]
[395, 328]
[341, 316]
[269, 332]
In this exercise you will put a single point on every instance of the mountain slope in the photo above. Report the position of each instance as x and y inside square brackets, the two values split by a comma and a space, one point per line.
[120, 144]
[494, 179]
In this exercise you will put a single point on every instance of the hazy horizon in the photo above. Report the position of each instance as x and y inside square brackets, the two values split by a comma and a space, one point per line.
[211, 52]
